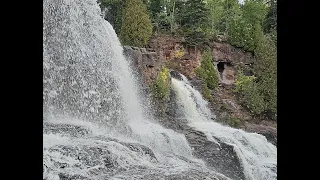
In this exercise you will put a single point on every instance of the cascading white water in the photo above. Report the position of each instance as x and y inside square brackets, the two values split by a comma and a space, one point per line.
[94, 126]
[258, 157]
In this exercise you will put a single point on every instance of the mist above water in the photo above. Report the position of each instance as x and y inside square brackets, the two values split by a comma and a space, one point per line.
[94, 124]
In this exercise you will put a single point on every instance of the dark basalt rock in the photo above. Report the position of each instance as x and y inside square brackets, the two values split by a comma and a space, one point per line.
[176, 75]
[63, 176]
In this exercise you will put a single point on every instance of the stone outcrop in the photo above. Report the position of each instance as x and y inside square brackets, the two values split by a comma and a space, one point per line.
[226, 58]
[166, 50]
[176, 56]
[145, 62]
[265, 129]
[224, 52]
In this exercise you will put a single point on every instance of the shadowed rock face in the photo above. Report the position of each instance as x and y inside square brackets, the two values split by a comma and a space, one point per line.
[146, 63]
[222, 158]
[176, 75]
[226, 53]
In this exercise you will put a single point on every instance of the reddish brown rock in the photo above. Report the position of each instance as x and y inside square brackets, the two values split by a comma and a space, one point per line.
[177, 57]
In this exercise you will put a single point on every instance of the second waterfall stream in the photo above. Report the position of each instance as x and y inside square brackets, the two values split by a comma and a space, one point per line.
[258, 157]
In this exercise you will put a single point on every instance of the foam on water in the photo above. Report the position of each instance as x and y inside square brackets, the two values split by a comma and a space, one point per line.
[258, 156]
[94, 124]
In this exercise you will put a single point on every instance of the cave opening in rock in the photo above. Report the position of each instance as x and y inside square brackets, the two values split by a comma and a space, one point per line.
[226, 72]
[220, 67]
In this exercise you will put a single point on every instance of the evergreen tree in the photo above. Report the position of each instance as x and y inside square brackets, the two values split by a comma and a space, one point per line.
[216, 11]
[113, 12]
[244, 27]
[265, 68]
[254, 11]
[270, 23]
[136, 26]
[156, 7]
[195, 22]
[206, 70]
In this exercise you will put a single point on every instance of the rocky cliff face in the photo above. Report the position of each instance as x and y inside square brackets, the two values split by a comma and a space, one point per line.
[176, 56]
[169, 51]
[146, 62]
[227, 59]
[224, 52]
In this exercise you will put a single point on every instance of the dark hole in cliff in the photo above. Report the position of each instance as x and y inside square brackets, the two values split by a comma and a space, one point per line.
[220, 66]
[226, 72]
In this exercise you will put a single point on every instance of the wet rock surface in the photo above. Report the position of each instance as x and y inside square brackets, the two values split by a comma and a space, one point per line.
[145, 62]
[266, 130]
[91, 157]
[220, 157]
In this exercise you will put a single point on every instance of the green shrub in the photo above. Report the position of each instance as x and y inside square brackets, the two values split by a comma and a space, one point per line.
[136, 26]
[160, 88]
[206, 93]
[234, 122]
[249, 93]
[179, 54]
[265, 68]
[206, 71]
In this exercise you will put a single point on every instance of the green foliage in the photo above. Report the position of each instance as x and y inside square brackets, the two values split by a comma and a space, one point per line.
[179, 54]
[216, 9]
[270, 22]
[160, 88]
[156, 7]
[254, 11]
[113, 12]
[243, 34]
[244, 28]
[206, 92]
[265, 69]
[136, 26]
[260, 93]
[231, 9]
[234, 122]
[250, 94]
[195, 22]
[206, 71]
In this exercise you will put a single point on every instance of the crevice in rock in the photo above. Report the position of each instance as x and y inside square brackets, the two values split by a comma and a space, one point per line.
[227, 72]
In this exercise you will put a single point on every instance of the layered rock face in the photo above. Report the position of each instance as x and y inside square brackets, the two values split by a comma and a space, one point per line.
[176, 56]
[227, 58]
[145, 61]
[164, 50]
[224, 52]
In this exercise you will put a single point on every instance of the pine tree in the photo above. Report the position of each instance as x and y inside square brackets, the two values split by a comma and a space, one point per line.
[156, 6]
[136, 26]
[270, 23]
[195, 22]
[254, 11]
[113, 12]
[265, 68]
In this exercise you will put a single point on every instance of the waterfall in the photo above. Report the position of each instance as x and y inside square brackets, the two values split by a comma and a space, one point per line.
[94, 125]
[258, 157]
